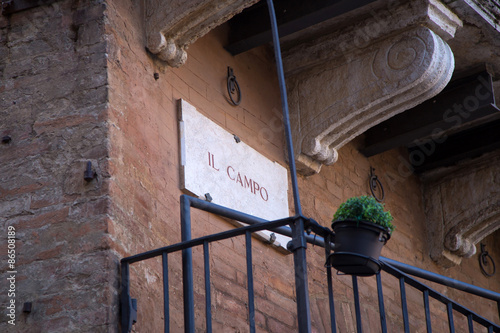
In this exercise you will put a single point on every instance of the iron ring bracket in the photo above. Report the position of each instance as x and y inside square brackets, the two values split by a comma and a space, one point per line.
[483, 261]
[376, 186]
[233, 88]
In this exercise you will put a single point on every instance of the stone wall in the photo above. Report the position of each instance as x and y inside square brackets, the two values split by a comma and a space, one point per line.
[84, 89]
[54, 106]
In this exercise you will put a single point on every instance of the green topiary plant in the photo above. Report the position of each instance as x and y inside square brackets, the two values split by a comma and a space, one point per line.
[365, 208]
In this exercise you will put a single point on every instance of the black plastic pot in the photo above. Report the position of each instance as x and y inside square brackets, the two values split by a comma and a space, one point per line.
[357, 247]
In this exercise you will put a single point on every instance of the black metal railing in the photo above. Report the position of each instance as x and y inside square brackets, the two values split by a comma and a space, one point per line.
[393, 268]
[129, 307]
[388, 266]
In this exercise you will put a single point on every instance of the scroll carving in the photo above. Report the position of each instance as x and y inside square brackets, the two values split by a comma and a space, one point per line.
[462, 207]
[171, 26]
[339, 98]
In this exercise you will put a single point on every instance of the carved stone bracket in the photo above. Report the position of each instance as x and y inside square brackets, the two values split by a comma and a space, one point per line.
[171, 26]
[352, 88]
[462, 206]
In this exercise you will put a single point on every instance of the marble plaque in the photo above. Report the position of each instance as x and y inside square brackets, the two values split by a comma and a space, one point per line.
[234, 174]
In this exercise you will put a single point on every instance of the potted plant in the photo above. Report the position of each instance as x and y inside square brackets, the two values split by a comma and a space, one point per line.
[362, 228]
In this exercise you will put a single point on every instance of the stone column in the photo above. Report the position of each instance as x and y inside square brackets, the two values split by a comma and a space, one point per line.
[342, 84]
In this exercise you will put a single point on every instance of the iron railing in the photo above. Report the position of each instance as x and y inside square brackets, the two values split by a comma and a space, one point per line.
[396, 269]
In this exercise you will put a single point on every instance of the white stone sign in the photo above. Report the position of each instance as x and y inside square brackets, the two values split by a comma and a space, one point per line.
[234, 174]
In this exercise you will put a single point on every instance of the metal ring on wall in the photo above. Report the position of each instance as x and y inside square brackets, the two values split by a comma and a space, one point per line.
[233, 88]
[483, 261]
[376, 186]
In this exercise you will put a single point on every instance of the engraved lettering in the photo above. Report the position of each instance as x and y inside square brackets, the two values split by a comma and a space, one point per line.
[211, 161]
[232, 172]
[262, 192]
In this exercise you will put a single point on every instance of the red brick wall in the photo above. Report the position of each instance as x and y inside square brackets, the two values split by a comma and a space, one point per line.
[84, 89]
[145, 190]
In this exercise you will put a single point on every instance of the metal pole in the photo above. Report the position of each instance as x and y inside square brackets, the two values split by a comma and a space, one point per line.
[298, 239]
[187, 267]
[284, 105]
[328, 250]
[125, 298]
[298, 247]
[166, 298]
[208, 294]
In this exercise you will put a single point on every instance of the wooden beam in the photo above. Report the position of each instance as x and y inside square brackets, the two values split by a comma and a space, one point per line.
[251, 28]
[463, 103]
[470, 143]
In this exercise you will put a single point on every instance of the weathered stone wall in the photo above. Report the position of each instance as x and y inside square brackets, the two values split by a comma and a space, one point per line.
[54, 106]
[93, 96]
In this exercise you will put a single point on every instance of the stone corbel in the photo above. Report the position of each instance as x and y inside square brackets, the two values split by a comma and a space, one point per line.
[341, 86]
[462, 207]
[171, 26]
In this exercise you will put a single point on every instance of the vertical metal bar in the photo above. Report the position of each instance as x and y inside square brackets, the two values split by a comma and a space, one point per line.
[166, 299]
[299, 245]
[251, 307]
[298, 239]
[490, 329]
[498, 306]
[404, 306]
[208, 294]
[328, 250]
[284, 105]
[449, 308]
[470, 323]
[381, 307]
[125, 297]
[357, 308]
[187, 266]
[428, 323]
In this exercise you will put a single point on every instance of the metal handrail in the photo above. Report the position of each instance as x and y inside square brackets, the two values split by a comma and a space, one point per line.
[441, 279]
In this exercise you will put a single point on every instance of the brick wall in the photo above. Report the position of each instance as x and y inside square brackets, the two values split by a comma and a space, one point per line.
[77, 85]
[145, 189]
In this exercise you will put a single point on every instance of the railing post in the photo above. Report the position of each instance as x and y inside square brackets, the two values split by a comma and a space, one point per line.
[251, 305]
[298, 246]
[498, 306]
[357, 308]
[187, 266]
[208, 293]
[328, 250]
[166, 297]
[428, 322]
[127, 304]
[381, 307]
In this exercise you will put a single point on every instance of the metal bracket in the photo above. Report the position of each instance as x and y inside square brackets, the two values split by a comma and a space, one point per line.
[298, 241]
[376, 186]
[233, 88]
[484, 262]
[129, 314]
[89, 174]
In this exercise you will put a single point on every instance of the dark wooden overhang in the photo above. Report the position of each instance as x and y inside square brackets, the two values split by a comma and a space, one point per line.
[460, 122]
[252, 28]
